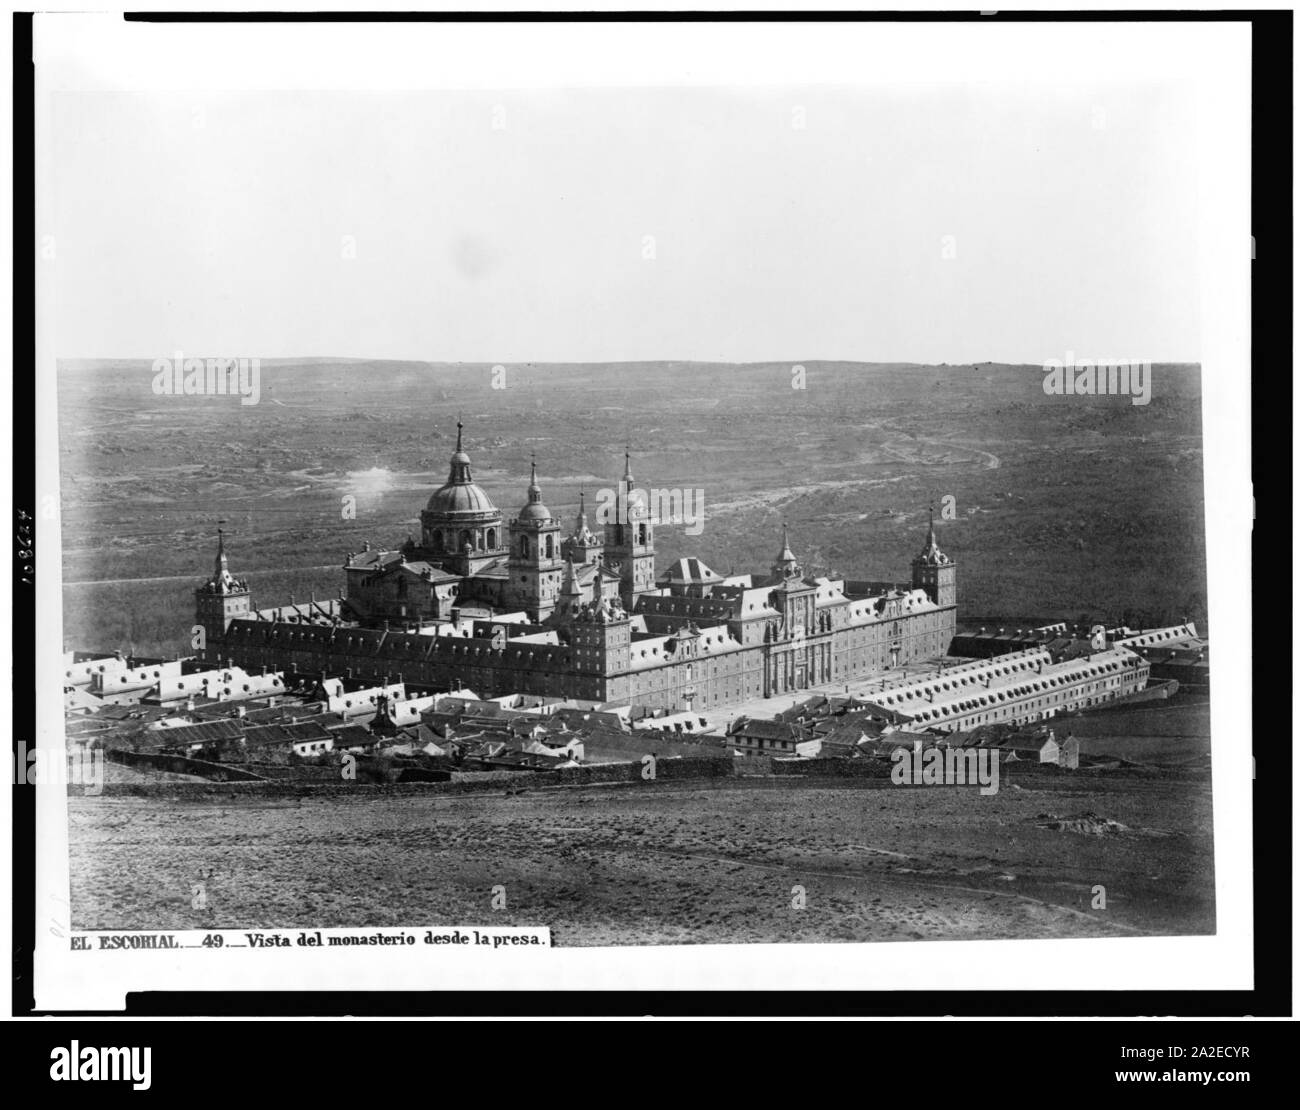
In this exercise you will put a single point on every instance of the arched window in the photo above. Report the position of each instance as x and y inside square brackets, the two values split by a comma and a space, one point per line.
[523, 546]
[465, 538]
[643, 532]
[550, 547]
[492, 539]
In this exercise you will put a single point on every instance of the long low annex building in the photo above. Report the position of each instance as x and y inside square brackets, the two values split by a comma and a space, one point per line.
[1016, 688]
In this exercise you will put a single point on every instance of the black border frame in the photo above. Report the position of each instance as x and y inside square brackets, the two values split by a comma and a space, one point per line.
[1272, 334]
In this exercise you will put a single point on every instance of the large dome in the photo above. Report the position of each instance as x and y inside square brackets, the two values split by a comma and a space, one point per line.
[460, 497]
[459, 500]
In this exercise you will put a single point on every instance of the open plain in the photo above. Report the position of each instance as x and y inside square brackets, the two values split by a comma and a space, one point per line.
[667, 863]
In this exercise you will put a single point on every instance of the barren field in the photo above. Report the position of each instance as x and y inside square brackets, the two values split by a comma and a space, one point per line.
[666, 863]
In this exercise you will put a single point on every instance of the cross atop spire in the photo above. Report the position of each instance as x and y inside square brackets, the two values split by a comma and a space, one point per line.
[930, 553]
[538, 510]
[222, 581]
[534, 490]
[460, 473]
[786, 554]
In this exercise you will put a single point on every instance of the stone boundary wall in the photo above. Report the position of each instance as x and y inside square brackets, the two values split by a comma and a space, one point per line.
[670, 770]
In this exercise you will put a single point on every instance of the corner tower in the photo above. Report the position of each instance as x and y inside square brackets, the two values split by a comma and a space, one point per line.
[600, 637]
[934, 572]
[220, 600]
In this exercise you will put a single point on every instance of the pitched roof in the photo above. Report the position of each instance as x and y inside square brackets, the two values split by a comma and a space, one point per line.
[204, 733]
[287, 734]
[690, 571]
[769, 730]
[353, 736]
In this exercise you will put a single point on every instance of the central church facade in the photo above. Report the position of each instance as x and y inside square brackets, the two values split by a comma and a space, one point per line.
[527, 605]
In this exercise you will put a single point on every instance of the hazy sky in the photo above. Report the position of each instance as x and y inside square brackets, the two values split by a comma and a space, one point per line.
[599, 224]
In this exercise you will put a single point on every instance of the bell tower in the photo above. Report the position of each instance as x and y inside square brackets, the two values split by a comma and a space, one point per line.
[630, 540]
[535, 565]
[934, 572]
[220, 600]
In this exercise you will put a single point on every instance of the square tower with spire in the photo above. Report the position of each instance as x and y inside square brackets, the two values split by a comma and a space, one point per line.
[630, 541]
[535, 565]
[934, 572]
[220, 600]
